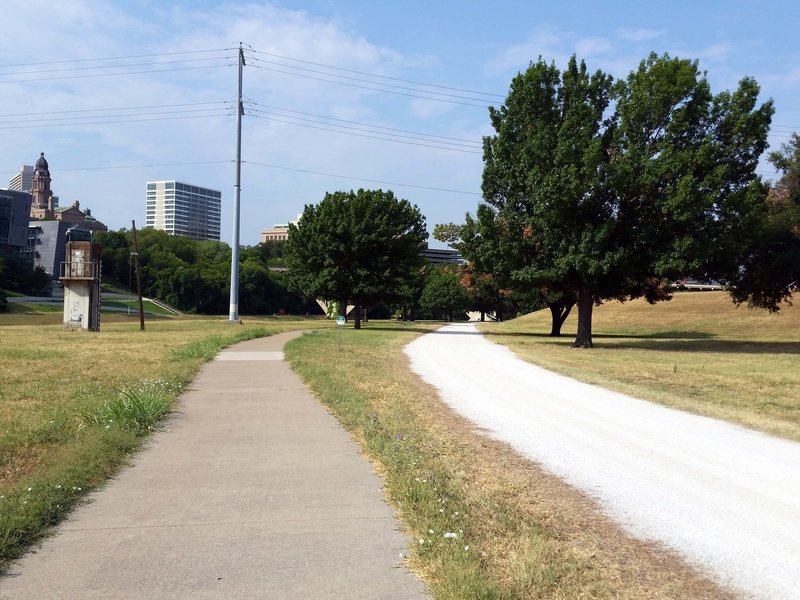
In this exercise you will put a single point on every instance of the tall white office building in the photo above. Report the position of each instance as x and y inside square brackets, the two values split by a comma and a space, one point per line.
[184, 209]
[22, 180]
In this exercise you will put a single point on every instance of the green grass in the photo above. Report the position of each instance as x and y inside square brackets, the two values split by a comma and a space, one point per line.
[148, 307]
[698, 353]
[75, 404]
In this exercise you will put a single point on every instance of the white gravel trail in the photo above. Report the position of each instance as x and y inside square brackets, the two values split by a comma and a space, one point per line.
[725, 497]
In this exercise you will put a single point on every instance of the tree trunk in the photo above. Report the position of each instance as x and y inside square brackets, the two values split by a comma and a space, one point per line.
[357, 311]
[483, 316]
[585, 306]
[559, 311]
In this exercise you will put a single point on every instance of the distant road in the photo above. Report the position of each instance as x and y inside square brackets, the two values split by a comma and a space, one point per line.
[725, 497]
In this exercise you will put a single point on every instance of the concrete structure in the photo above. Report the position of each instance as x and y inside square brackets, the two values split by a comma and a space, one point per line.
[80, 274]
[184, 209]
[15, 207]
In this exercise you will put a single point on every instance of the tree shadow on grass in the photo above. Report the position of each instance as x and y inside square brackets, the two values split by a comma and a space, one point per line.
[665, 341]
[674, 341]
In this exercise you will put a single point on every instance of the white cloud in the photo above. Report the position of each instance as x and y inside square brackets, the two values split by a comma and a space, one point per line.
[640, 35]
[544, 41]
[592, 46]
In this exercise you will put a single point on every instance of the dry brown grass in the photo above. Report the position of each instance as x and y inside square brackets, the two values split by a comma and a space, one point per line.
[698, 353]
[529, 534]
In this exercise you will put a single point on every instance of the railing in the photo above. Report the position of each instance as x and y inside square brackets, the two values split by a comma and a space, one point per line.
[80, 270]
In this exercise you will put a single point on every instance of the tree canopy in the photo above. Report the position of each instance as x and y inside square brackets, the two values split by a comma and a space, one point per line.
[599, 190]
[770, 271]
[444, 293]
[194, 275]
[356, 247]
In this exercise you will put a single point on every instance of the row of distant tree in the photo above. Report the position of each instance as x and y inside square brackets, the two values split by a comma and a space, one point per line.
[194, 275]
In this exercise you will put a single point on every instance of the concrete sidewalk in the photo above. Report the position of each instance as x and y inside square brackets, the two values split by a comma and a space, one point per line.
[252, 491]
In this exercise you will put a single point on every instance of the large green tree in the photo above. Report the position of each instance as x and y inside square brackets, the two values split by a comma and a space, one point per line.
[770, 271]
[356, 247]
[606, 191]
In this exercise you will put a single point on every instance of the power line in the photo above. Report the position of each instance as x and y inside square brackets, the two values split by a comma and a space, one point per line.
[374, 89]
[409, 185]
[349, 129]
[374, 137]
[180, 164]
[47, 124]
[388, 85]
[433, 85]
[121, 66]
[86, 110]
[132, 56]
[381, 127]
[116, 74]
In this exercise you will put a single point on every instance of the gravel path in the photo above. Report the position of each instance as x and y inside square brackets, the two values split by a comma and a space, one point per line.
[725, 497]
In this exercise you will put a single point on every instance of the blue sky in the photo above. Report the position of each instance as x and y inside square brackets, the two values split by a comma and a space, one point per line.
[318, 119]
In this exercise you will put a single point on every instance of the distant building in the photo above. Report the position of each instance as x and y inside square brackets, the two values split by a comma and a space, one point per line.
[439, 256]
[22, 180]
[278, 233]
[46, 243]
[42, 205]
[183, 209]
[46, 224]
[15, 207]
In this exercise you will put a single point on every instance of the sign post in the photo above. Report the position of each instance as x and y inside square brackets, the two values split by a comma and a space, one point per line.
[340, 321]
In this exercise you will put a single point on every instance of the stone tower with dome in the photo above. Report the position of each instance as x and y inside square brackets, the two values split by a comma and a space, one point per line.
[42, 195]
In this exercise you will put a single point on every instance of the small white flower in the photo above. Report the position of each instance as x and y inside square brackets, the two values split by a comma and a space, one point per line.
[466, 548]
[30, 488]
[441, 510]
[450, 534]
[430, 530]
[421, 541]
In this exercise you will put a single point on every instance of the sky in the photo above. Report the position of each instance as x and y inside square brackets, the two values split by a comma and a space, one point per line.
[338, 95]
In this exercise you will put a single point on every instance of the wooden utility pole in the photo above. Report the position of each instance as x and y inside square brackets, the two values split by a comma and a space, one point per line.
[138, 277]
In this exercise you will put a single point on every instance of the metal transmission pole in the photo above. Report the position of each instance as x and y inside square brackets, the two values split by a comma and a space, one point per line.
[237, 187]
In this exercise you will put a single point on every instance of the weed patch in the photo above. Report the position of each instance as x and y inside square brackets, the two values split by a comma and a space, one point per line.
[135, 409]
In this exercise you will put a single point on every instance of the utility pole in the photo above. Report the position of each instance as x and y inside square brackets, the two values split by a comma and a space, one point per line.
[138, 277]
[237, 187]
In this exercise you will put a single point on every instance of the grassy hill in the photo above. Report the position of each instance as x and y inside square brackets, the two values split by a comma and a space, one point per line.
[698, 352]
